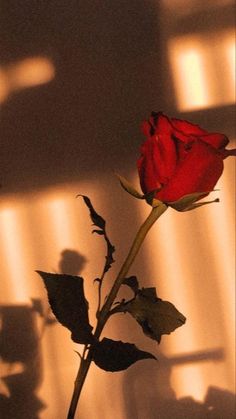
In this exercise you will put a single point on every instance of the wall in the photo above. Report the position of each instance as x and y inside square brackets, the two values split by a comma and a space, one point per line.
[77, 78]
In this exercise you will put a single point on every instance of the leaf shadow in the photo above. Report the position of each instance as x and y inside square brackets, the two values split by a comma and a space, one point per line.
[151, 395]
[21, 363]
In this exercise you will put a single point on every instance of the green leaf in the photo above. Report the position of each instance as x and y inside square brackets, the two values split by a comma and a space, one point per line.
[98, 221]
[126, 185]
[131, 282]
[68, 303]
[111, 355]
[155, 316]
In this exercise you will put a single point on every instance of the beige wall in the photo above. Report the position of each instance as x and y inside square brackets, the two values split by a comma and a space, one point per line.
[76, 80]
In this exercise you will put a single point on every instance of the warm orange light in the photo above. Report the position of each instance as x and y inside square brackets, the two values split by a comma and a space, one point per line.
[197, 281]
[24, 74]
[203, 69]
[231, 64]
[58, 212]
[188, 72]
[31, 72]
[16, 256]
[4, 89]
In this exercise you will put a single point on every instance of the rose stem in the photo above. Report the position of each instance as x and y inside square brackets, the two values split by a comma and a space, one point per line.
[104, 313]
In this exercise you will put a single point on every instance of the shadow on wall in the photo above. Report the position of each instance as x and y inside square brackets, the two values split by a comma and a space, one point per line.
[107, 78]
[152, 396]
[20, 353]
[20, 350]
[71, 262]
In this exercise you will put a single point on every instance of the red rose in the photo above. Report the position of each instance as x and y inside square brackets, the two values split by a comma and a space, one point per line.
[179, 158]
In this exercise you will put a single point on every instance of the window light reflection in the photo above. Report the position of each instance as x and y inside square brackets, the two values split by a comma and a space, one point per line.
[189, 78]
[23, 74]
[58, 213]
[231, 64]
[203, 69]
[16, 257]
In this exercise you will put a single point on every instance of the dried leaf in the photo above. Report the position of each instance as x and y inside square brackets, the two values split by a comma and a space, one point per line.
[68, 303]
[95, 217]
[101, 223]
[109, 256]
[155, 316]
[112, 355]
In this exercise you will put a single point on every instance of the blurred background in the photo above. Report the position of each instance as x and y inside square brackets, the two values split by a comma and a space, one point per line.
[76, 80]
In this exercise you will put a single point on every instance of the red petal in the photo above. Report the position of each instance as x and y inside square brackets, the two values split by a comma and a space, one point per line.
[199, 172]
[157, 162]
[187, 128]
[217, 141]
[146, 128]
[163, 124]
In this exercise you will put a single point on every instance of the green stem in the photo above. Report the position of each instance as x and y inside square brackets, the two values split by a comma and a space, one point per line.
[82, 373]
[104, 313]
[140, 236]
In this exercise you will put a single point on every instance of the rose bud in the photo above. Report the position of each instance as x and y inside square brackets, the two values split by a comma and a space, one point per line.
[180, 160]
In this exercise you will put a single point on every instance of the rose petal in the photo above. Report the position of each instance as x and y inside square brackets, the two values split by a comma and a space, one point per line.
[162, 123]
[146, 128]
[164, 126]
[199, 172]
[187, 127]
[180, 158]
[157, 123]
[157, 162]
[215, 140]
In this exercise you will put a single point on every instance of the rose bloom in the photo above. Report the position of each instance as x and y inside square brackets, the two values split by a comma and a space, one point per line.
[179, 158]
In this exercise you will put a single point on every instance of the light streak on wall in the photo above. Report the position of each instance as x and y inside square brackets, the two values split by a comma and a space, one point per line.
[16, 257]
[3, 85]
[188, 7]
[61, 231]
[203, 69]
[189, 78]
[173, 273]
[231, 64]
[29, 72]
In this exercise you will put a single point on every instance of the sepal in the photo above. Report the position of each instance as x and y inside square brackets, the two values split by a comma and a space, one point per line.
[188, 202]
[126, 185]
